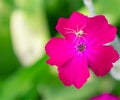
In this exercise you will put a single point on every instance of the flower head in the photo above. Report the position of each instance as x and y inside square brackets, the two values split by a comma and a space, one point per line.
[83, 45]
[105, 96]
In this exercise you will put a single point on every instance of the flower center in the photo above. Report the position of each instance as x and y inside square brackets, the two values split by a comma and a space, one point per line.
[81, 47]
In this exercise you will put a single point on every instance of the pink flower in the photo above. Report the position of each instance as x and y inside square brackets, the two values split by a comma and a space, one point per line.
[105, 96]
[83, 45]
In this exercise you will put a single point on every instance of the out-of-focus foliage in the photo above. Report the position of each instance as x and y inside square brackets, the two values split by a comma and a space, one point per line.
[8, 60]
[40, 81]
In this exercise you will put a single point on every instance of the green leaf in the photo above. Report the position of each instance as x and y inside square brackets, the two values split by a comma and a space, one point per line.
[21, 82]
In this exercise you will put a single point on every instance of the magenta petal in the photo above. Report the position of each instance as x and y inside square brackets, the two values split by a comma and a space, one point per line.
[101, 58]
[74, 72]
[98, 28]
[105, 96]
[59, 50]
[65, 28]
[60, 27]
[78, 20]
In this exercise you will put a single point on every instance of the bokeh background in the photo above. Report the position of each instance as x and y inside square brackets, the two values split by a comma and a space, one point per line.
[25, 27]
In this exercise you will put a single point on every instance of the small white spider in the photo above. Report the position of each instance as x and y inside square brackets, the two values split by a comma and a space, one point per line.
[80, 33]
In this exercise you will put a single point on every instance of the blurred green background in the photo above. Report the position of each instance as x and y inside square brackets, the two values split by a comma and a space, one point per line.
[25, 27]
